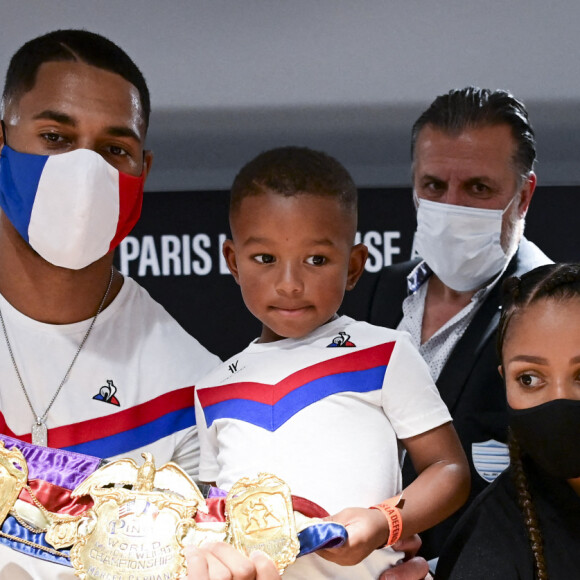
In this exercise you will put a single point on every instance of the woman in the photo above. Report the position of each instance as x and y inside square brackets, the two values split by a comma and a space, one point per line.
[527, 523]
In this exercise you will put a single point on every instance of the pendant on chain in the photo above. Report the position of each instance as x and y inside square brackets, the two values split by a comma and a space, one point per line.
[39, 429]
[39, 434]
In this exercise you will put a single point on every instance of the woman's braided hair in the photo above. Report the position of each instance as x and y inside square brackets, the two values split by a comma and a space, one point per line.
[554, 281]
[528, 509]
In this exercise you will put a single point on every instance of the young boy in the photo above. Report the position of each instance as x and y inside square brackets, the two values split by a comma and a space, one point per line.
[321, 400]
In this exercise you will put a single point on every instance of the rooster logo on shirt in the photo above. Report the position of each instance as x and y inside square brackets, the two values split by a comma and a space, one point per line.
[107, 394]
[343, 339]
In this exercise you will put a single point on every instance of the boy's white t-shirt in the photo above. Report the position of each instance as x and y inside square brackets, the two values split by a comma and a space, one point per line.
[325, 414]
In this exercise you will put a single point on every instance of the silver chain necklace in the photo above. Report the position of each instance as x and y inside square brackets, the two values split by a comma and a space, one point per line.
[39, 429]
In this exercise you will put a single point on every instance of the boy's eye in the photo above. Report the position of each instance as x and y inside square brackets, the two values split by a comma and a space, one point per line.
[316, 260]
[265, 258]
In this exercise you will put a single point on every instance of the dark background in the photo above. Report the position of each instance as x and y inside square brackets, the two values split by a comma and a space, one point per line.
[209, 305]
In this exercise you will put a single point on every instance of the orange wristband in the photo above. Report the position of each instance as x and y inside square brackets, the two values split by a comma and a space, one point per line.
[395, 519]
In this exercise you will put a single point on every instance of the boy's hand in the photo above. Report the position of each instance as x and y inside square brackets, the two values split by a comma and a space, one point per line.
[368, 529]
[219, 561]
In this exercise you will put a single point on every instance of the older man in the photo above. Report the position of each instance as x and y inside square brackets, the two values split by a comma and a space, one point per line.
[473, 154]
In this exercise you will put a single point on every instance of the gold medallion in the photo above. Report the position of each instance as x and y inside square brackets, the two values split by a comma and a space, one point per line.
[261, 517]
[62, 532]
[137, 533]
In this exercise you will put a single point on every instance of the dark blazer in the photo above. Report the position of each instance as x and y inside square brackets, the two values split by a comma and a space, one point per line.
[469, 382]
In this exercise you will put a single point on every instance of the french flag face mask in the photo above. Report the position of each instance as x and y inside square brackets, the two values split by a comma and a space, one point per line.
[72, 208]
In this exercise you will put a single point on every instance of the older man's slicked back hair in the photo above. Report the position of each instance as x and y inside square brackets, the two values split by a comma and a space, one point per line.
[72, 45]
[472, 108]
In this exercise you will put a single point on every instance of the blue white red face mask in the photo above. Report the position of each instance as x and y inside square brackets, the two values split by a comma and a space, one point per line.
[72, 208]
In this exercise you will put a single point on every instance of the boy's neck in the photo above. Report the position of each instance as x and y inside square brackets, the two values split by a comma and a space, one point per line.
[268, 335]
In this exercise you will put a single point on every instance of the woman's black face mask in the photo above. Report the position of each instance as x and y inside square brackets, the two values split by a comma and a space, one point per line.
[550, 435]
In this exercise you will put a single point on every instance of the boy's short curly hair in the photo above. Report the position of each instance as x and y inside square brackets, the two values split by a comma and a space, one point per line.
[291, 171]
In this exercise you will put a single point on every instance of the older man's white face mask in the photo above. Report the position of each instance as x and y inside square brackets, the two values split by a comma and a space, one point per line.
[462, 245]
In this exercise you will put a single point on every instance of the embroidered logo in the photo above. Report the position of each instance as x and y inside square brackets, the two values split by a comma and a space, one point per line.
[343, 339]
[107, 394]
[490, 458]
[233, 368]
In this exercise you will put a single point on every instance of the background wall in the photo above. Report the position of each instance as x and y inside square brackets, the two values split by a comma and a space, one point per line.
[230, 78]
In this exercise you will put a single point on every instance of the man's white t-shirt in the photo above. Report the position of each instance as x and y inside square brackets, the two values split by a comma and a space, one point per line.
[130, 390]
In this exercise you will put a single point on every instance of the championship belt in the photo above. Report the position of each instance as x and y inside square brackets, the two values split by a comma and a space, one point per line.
[36, 486]
[126, 521]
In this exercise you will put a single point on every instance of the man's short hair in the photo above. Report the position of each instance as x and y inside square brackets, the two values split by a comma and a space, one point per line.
[72, 45]
[291, 171]
[472, 107]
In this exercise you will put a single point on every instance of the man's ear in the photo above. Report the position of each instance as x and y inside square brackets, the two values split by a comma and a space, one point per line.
[229, 253]
[356, 265]
[526, 194]
[500, 370]
[147, 162]
[2, 134]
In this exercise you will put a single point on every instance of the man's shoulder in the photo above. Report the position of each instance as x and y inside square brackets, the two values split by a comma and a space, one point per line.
[385, 306]
[528, 257]
[399, 268]
[147, 322]
[135, 301]
[392, 280]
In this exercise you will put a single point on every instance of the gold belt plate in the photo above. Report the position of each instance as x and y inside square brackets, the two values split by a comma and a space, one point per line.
[260, 517]
[136, 533]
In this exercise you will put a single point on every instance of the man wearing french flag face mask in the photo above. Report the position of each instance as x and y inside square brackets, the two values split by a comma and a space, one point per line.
[91, 365]
[473, 152]
[72, 208]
